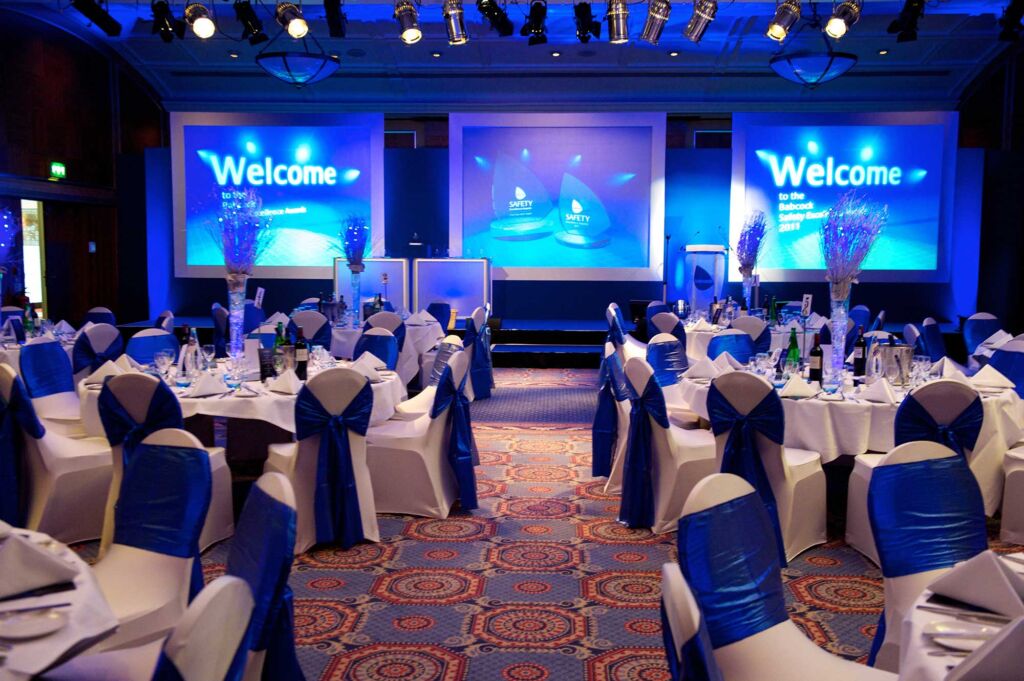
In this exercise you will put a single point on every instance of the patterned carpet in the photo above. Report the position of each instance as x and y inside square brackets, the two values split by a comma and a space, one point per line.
[539, 583]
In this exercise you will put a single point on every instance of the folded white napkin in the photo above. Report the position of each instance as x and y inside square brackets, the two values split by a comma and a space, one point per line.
[816, 321]
[126, 363]
[702, 368]
[984, 581]
[420, 318]
[997, 659]
[108, 368]
[798, 387]
[997, 340]
[726, 362]
[277, 318]
[880, 391]
[989, 377]
[287, 383]
[63, 327]
[946, 368]
[45, 338]
[26, 566]
[370, 360]
[208, 384]
[794, 324]
[700, 325]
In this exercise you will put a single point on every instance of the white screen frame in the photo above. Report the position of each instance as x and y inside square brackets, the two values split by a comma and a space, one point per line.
[179, 119]
[656, 234]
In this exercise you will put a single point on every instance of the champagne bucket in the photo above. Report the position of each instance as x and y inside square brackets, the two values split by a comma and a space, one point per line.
[890, 361]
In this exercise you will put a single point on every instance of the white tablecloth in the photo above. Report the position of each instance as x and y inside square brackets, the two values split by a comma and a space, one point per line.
[697, 342]
[915, 662]
[423, 338]
[269, 406]
[90, 621]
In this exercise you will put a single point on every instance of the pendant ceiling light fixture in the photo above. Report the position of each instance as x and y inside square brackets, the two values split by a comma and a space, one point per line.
[295, 67]
[811, 68]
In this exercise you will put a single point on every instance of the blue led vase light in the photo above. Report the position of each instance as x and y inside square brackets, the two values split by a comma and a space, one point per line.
[584, 220]
[522, 206]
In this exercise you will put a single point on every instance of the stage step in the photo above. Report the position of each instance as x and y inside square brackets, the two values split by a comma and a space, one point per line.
[537, 355]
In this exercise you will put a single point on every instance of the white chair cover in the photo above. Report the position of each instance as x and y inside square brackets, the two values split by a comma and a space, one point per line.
[61, 412]
[408, 359]
[310, 321]
[429, 359]
[1012, 528]
[166, 321]
[622, 412]
[752, 326]
[101, 336]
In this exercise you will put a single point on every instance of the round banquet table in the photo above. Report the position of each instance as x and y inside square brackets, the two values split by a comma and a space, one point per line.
[274, 408]
[836, 427]
[697, 341]
[423, 338]
[90, 619]
[915, 662]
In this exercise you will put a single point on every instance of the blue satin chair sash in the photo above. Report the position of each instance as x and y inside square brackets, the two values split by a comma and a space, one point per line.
[977, 331]
[668, 361]
[46, 369]
[913, 422]
[741, 456]
[654, 308]
[877, 324]
[480, 367]
[8, 314]
[143, 348]
[1011, 365]
[164, 411]
[763, 342]
[637, 508]
[442, 312]
[160, 321]
[101, 318]
[320, 336]
[461, 445]
[261, 554]
[16, 327]
[694, 660]
[384, 348]
[17, 418]
[398, 333]
[934, 343]
[167, 671]
[444, 353]
[860, 316]
[252, 317]
[220, 330]
[164, 497]
[605, 430]
[732, 567]
[84, 356]
[336, 500]
[266, 339]
[739, 345]
[679, 331]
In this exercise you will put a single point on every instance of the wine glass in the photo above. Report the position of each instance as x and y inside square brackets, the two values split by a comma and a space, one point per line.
[209, 354]
[163, 360]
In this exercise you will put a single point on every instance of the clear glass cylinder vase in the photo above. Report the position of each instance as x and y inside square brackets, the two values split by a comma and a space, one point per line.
[840, 313]
[357, 300]
[236, 313]
[748, 288]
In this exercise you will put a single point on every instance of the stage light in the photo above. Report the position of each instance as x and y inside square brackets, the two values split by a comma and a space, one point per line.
[408, 22]
[905, 25]
[164, 22]
[703, 14]
[787, 13]
[337, 22]
[844, 16]
[497, 16]
[455, 22]
[252, 27]
[290, 17]
[657, 17]
[618, 22]
[198, 17]
[99, 16]
[1011, 21]
[534, 26]
[586, 26]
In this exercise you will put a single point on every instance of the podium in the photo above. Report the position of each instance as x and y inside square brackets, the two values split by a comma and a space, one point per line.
[705, 274]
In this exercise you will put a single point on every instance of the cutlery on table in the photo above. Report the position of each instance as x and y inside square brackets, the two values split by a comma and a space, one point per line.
[33, 608]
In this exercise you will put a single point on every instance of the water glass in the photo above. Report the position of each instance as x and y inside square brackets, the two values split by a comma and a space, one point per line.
[209, 353]
[790, 369]
[233, 378]
[163, 359]
[182, 379]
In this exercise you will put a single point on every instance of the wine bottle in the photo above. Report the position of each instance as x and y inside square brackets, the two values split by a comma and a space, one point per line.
[301, 355]
[860, 354]
[815, 360]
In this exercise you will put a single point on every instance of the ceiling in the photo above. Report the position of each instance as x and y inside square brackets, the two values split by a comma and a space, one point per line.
[727, 72]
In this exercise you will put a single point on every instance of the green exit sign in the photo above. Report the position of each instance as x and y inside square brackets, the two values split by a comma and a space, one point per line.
[58, 171]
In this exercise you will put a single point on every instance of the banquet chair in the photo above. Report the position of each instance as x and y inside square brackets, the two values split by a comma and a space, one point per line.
[50, 382]
[654, 307]
[95, 346]
[334, 502]
[879, 323]
[66, 480]
[315, 327]
[978, 328]
[9, 312]
[667, 357]
[219, 315]
[758, 331]
[442, 312]
[737, 343]
[668, 322]
[262, 553]
[134, 406]
[627, 346]
[912, 337]
[610, 431]
[931, 337]
[165, 321]
[408, 360]
[252, 316]
[151, 569]
[434, 361]
[422, 467]
[952, 416]
[266, 334]
[476, 342]
[310, 301]
[205, 644]
[729, 562]
[422, 402]
[1009, 361]
[144, 345]
[926, 515]
[100, 315]
[748, 421]
[662, 462]
[860, 315]
[379, 342]
[683, 631]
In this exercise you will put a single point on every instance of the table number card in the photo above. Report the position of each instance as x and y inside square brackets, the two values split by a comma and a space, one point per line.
[258, 300]
[805, 306]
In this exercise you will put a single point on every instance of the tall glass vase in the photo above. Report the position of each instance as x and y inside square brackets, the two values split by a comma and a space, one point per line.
[236, 312]
[357, 299]
[839, 293]
[748, 287]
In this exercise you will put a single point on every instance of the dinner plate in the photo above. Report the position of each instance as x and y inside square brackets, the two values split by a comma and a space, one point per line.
[26, 625]
[955, 635]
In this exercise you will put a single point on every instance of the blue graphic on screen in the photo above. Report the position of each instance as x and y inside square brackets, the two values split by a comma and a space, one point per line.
[796, 173]
[557, 197]
[309, 179]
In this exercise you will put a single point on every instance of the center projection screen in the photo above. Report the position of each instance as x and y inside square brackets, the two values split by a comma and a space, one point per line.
[559, 196]
[311, 173]
[795, 166]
